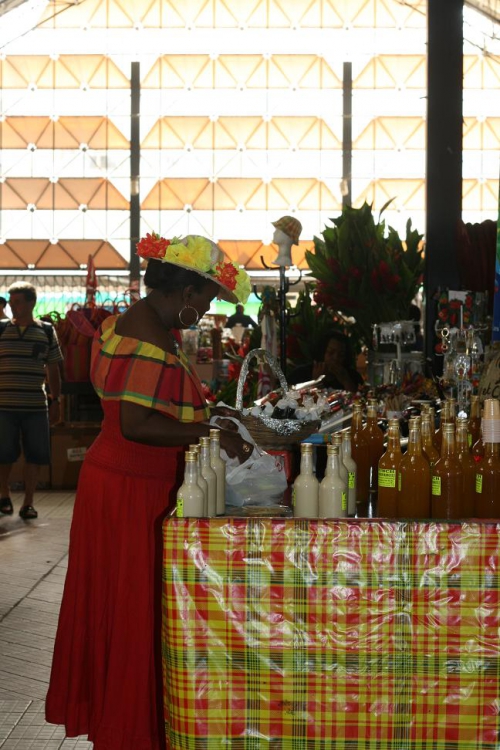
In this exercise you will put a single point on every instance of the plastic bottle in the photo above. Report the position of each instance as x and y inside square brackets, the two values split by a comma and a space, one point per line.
[474, 426]
[332, 490]
[190, 500]
[306, 486]
[219, 466]
[487, 497]
[209, 476]
[352, 470]
[414, 480]
[468, 467]
[447, 479]
[375, 438]
[388, 473]
[360, 454]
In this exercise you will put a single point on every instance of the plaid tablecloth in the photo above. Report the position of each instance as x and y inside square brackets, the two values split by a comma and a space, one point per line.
[356, 635]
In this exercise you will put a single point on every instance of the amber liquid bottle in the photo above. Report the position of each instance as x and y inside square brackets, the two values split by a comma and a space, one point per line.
[414, 480]
[361, 456]
[375, 438]
[468, 467]
[447, 479]
[474, 427]
[487, 500]
[428, 448]
[388, 473]
[444, 418]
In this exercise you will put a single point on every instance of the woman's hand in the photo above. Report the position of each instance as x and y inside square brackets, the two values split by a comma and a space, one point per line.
[234, 445]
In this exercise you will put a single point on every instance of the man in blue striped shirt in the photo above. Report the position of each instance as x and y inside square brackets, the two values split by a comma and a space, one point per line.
[29, 355]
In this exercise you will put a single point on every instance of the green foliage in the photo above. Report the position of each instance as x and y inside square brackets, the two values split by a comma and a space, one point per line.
[308, 327]
[365, 272]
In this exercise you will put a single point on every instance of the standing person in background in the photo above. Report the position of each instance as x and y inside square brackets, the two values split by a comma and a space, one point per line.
[29, 354]
[334, 361]
[3, 303]
[106, 679]
[239, 318]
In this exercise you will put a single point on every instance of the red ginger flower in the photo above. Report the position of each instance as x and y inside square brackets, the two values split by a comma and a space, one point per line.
[226, 273]
[152, 246]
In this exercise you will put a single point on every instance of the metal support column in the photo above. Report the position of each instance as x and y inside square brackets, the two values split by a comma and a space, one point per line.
[444, 154]
[135, 203]
[347, 134]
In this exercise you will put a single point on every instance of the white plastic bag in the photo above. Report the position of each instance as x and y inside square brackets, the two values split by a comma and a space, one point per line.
[260, 480]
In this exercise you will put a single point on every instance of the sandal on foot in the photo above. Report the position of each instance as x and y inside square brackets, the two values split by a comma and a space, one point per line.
[28, 512]
[6, 506]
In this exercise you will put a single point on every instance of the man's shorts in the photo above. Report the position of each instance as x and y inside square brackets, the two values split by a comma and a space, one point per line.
[29, 429]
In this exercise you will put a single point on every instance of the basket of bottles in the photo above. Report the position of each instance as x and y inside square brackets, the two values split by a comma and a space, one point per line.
[282, 426]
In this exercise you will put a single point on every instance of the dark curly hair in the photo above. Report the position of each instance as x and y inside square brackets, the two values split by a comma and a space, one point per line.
[168, 278]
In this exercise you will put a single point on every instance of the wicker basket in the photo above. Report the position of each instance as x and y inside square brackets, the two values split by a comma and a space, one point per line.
[267, 431]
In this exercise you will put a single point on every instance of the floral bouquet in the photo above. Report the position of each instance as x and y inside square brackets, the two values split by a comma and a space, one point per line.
[364, 273]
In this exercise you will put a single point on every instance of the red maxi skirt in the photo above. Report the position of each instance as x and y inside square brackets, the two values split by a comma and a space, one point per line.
[106, 673]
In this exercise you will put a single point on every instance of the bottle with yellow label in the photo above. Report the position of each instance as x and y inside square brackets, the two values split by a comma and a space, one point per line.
[487, 497]
[352, 472]
[190, 499]
[468, 467]
[306, 486]
[388, 473]
[375, 438]
[343, 472]
[447, 479]
[414, 480]
[332, 490]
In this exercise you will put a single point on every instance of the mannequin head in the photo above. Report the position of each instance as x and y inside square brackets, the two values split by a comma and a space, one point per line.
[287, 232]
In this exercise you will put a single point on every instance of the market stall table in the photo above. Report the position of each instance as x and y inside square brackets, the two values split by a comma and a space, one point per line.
[292, 633]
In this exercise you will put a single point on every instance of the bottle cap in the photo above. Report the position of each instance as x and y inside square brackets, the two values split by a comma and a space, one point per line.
[190, 457]
[306, 447]
[337, 439]
[214, 435]
[332, 450]
[204, 441]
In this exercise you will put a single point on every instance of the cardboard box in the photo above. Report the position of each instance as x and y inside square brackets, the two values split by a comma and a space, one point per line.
[69, 445]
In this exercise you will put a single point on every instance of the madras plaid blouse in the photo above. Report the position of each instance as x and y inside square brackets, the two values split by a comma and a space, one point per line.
[126, 369]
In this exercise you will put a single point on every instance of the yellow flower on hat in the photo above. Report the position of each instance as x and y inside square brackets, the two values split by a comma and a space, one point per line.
[195, 253]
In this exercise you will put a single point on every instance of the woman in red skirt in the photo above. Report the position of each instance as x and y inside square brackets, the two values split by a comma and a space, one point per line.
[106, 672]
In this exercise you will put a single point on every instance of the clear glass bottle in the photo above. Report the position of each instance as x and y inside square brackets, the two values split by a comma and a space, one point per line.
[360, 454]
[428, 448]
[414, 480]
[474, 426]
[344, 473]
[202, 482]
[306, 487]
[375, 438]
[190, 499]
[209, 476]
[219, 466]
[352, 470]
[332, 501]
[388, 473]
[447, 479]
[468, 467]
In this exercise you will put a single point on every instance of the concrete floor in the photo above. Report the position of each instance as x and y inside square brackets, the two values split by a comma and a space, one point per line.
[33, 559]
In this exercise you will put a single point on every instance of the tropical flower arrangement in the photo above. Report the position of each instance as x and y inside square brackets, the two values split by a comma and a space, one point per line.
[198, 254]
[366, 273]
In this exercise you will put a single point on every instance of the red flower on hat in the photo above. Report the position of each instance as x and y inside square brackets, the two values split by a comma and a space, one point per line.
[152, 246]
[226, 274]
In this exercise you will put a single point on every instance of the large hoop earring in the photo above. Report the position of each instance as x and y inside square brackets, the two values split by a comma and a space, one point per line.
[195, 322]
